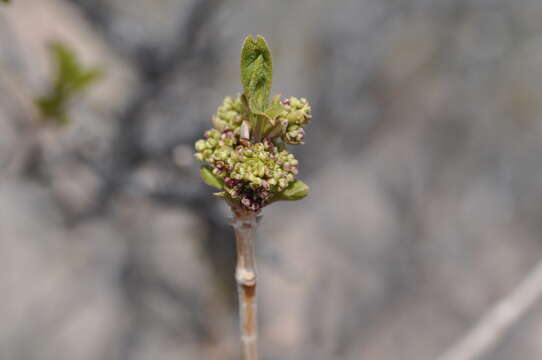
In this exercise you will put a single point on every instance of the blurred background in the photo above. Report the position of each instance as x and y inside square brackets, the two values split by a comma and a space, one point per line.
[424, 160]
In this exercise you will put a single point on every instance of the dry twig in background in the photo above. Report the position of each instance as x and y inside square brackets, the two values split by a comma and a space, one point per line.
[493, 325]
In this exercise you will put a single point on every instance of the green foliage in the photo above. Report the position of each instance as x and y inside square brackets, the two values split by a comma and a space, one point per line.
[70, 79]
[273, 111]
[246, 151]
[297, 190]
[256, 72]
[209, 178]
[6, 1]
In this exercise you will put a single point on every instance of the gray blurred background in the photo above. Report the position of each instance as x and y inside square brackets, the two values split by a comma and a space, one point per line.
[424, 160]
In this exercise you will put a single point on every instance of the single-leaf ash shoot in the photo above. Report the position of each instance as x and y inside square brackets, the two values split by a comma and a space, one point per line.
[246, 158]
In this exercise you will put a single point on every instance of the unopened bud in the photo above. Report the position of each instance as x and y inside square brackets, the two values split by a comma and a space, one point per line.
[244, 131]
[296, 117]
[212, 142]
[200, 145]
[219, 124]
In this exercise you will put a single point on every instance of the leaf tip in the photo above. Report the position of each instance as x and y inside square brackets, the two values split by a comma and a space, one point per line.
[209, 178]
[295, 191]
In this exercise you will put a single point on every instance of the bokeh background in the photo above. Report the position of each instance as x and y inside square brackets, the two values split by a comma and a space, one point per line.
[424, 160]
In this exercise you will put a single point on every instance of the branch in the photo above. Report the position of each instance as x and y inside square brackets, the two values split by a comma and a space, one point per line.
[499, 319]
[245, 224]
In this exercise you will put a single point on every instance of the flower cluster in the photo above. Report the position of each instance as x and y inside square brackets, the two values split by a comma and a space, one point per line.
[245, 153]
[298, 113]
[229, 115]
[249, 173]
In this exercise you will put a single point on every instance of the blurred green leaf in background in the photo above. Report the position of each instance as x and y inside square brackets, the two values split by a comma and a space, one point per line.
[71, 79]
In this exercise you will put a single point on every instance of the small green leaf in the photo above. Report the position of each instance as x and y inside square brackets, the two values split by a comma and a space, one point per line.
[210, 178]
[295, 191]
[264, 122]
[274, 110]
[276, 99]
[256, 72]
[244, 101]
[272, 127]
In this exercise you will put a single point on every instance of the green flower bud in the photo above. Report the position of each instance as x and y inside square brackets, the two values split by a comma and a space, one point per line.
[219, 124]
[207, 153]
[229, 115]
[212, 142]
[200, 145]
[296, 117]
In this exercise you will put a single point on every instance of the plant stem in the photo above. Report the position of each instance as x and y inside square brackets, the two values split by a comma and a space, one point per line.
[245, 224]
